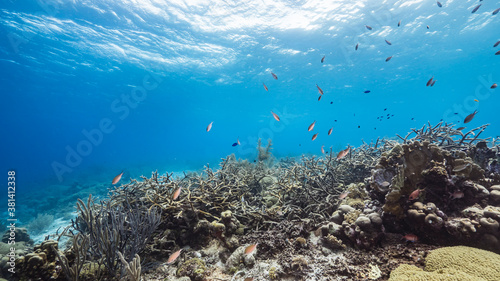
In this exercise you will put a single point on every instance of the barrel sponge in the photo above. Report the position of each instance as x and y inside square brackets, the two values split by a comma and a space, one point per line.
[452, 264]
[475, 262]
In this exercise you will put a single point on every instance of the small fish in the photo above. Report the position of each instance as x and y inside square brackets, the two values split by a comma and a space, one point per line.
[319, 89]
[275, 116]
[410, 238]
[439, 4]
[319, 98]
[497, 53]
[274, 76]
[457, 195]
[209, 127]
[323, 149]
[476, 100]
[494, 86]
[356, 48]
[331, 102]
[343, 195]
[176, 193]
[330, 131]
[314, 136]
[460, 128]
[311, 127]
[433, 82]
[235, 144]
[430, 81]
[470, 117]
[238, 141]
[385, 109]
[343, 153]
[117, 178]
[428, 27]
[496, 11]
[388, 58]
[399, 23]
[414, 195]
[248, 279]
[265, 87]
[368, 27]
[359, 126]
[250, 249]
[476, 8]
[388, 42]
[173, 257]
[496, 44]
[323, 59]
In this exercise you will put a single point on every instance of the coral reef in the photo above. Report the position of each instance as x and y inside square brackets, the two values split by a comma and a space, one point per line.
[311, 217]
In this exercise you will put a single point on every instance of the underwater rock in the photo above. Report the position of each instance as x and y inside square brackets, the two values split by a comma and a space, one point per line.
[21, 235]
[41, 263]
[193, 268]
[239, 259]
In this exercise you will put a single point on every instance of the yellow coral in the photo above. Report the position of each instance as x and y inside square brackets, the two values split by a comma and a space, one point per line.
[452, 263]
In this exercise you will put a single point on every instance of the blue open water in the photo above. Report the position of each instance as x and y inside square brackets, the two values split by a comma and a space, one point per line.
[91, 88]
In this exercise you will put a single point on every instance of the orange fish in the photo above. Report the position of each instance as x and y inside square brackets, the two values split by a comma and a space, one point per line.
[330, 131]
[494, 86]
[117, 178]
[399, 23]
[265, 87]
[343, 195]
[410, 238]
[322, 149]
[430, 81]
[176, 193]
[414, 195]
[238, 141]
[250, 249]
[315, 136]
[476, 100]
[173, 257]
[311, 127]
[319, 89]
[274, 76]
[388, 42]
[209, 127]
[343, 153]
[388, 58]
[275, 116]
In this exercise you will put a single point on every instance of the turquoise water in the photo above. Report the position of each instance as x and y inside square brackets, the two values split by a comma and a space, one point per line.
[91, 88]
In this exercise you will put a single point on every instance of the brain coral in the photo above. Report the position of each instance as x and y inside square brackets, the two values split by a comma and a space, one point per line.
[452, 263]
